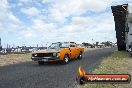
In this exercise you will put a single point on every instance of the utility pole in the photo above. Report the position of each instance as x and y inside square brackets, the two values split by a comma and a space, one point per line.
[0, 41]
[0, 45]
[37, 45]
[92, 40]
[7, 46]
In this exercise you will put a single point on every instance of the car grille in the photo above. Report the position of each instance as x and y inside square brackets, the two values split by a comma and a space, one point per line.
[42, 55]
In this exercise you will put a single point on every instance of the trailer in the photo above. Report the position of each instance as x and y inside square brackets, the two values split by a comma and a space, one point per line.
[123, 26]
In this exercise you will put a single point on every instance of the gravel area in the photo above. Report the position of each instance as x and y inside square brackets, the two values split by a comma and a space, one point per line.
[14, 59]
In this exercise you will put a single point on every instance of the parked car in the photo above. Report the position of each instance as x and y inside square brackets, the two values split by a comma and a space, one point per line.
[62, 52]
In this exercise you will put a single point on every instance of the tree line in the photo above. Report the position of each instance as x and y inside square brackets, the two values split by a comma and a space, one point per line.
[107, 43]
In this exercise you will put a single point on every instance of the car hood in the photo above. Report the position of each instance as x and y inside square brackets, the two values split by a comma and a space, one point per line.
[47, 51]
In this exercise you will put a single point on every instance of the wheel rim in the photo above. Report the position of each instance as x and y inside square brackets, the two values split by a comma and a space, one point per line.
[66, 59]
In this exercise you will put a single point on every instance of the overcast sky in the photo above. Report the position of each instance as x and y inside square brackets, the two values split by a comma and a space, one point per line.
[39, 21]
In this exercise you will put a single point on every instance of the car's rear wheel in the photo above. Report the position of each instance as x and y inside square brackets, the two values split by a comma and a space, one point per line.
[40, 62]
[66, 59]
[80, 56]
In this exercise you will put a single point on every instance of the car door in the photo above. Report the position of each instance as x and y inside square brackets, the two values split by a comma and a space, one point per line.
[77, 51]
[73, 51]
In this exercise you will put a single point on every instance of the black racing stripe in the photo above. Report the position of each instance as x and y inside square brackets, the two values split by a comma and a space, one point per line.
[70, 52]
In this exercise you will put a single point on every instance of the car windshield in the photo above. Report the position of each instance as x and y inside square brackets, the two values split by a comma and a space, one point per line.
[54, 46]
[64, 45]
[59, 45]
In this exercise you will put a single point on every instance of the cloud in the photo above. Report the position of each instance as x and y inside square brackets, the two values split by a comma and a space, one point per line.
[8, 20]
[40, 25]
[47, 1]
[62, 8]
[32, 11]
[26, 1]
[26, 34]
[99, 28]
[4, 4]
[58, 20]
[83, 21]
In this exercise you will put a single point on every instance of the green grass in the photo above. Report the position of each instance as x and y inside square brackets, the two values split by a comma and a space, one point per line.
[118, 63]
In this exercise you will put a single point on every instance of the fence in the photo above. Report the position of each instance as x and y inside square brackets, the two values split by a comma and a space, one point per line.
[20, 50]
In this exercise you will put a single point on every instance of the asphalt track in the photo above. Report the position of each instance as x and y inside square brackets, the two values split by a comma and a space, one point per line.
[52, 75]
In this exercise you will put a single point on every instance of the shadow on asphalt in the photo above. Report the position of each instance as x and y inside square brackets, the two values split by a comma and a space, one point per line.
[55, 63]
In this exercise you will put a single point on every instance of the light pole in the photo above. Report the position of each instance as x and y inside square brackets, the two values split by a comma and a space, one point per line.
[92, 40]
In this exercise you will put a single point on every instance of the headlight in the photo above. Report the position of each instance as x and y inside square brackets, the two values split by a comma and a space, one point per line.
[54, 54]
[58, 54]
[34, 55]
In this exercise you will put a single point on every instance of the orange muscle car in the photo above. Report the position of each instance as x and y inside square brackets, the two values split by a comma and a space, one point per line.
[63, 52]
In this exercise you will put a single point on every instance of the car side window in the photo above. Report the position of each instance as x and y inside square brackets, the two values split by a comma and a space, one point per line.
[72, 46]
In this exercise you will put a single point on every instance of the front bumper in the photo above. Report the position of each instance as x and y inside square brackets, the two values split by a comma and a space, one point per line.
[45, 59]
